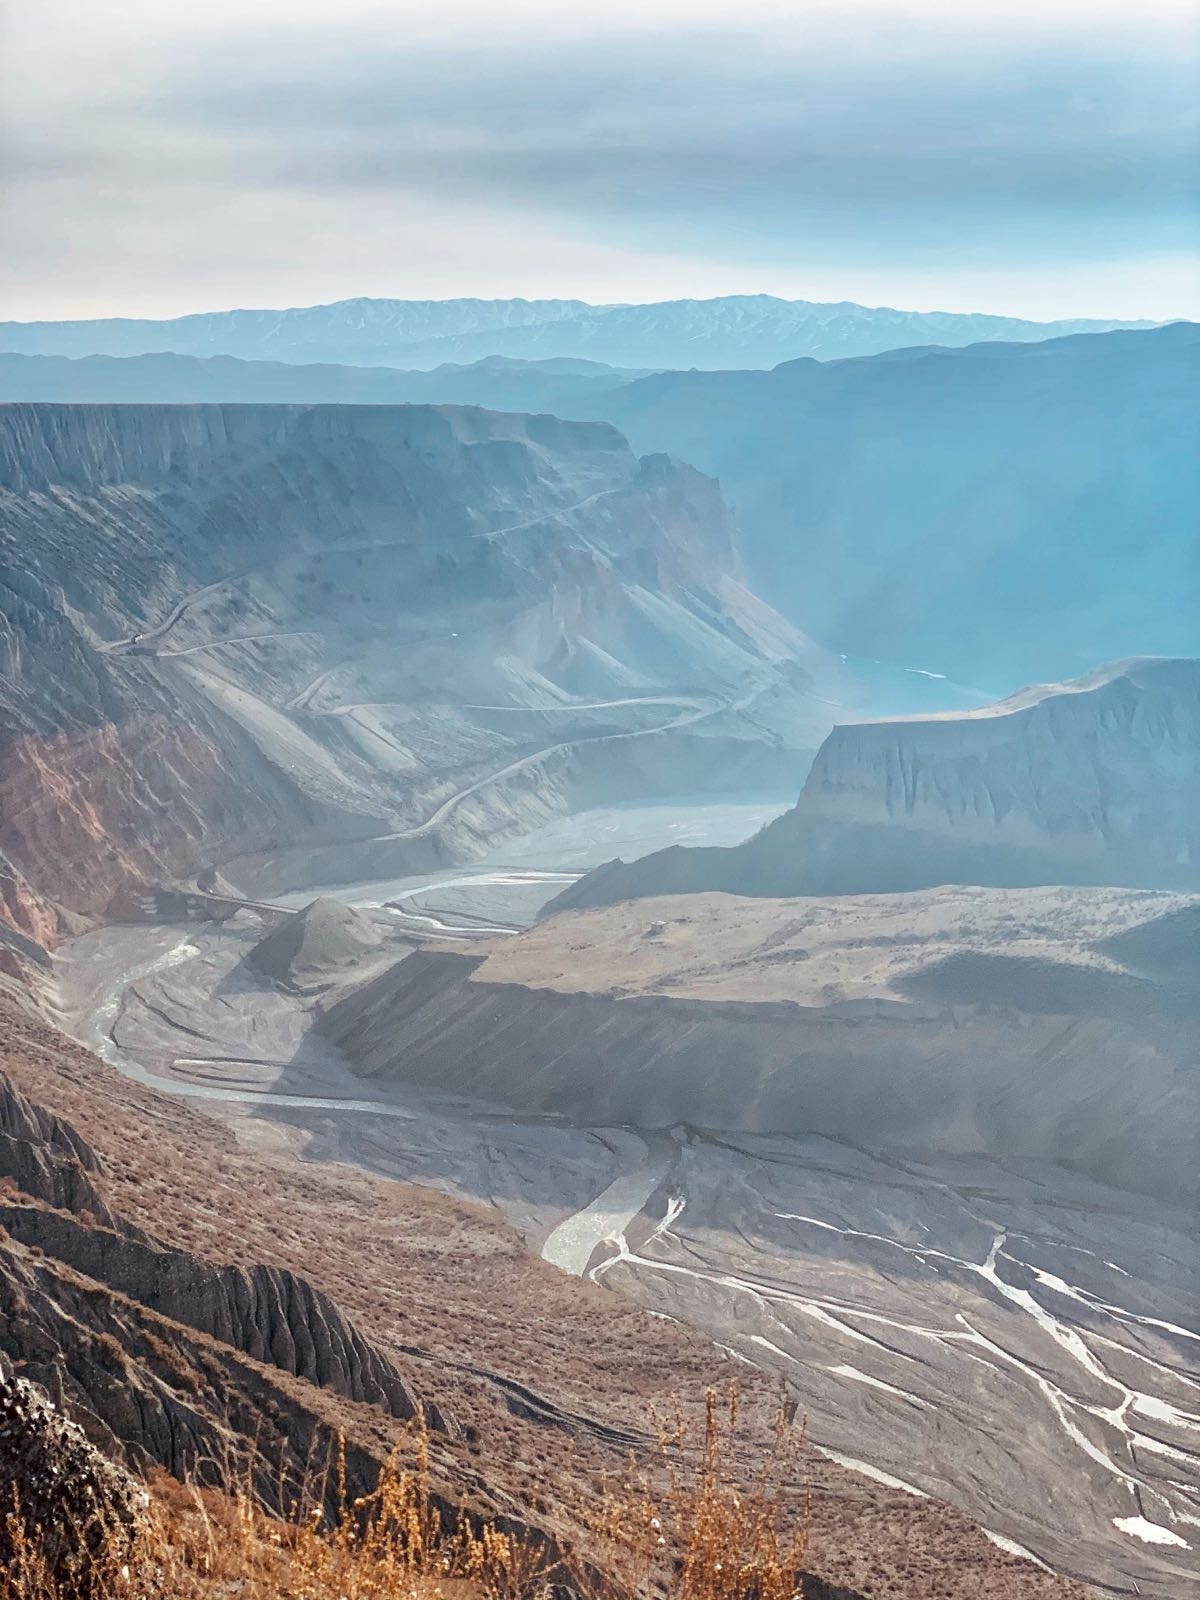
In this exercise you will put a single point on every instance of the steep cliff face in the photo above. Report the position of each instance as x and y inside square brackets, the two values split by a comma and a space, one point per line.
[45, 1158]
[226, 626]
[89, 811]
[1096, 781]
[1091, 782]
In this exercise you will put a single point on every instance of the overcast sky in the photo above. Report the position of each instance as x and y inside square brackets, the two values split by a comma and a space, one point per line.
[1036, 157]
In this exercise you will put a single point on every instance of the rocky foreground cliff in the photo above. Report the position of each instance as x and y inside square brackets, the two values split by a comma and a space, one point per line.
[225, 630]
[192, 1303]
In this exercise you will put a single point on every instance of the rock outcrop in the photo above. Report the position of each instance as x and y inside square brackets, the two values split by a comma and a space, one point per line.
[266, 1312]
[43, 1156]
[62, 1502]
[1095, 781]
[155, 1349]
[324, 942]
[153, 1393]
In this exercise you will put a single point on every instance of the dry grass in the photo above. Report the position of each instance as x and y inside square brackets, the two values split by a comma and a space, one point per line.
[684, 1529]
[695, 1530]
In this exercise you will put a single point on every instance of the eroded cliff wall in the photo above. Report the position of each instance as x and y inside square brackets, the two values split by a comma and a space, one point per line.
[1096, 781]
[1055, 1024]
[223, 628]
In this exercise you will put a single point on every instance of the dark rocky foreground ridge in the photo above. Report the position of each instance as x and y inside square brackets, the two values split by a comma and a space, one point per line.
[180, 1321]
[229, 630]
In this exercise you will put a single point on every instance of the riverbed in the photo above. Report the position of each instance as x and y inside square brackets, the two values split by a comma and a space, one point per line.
[1006, 1336]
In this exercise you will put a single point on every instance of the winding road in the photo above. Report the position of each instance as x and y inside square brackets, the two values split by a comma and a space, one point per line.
[150, 636]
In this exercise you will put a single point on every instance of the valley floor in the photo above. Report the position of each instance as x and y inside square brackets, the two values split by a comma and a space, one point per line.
[1014, 1339]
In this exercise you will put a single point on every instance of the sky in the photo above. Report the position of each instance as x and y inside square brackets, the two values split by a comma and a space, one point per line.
[1031, 157]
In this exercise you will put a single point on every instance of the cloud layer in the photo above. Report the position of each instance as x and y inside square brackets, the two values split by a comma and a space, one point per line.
[1031, 159]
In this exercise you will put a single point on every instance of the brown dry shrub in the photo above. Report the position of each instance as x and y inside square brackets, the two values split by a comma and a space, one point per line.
[683, 1526]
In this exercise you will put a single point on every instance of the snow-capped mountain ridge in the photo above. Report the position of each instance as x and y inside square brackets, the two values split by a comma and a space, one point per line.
[728, 331]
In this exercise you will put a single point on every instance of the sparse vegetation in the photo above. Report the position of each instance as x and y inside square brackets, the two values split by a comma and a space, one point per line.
[684, 1529]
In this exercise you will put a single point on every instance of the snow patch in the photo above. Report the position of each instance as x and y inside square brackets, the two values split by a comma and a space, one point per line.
[869, 1471]
[1149, 1532]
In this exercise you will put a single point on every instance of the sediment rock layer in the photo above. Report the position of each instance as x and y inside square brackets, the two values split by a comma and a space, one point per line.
[269, 1314]
[227, 628]
[1096, 781]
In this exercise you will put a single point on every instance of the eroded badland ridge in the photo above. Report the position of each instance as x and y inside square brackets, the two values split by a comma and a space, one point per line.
[230, 629]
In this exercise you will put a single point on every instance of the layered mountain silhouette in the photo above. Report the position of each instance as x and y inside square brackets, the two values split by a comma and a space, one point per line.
[995, 515]
[729, 331]
[502, 383]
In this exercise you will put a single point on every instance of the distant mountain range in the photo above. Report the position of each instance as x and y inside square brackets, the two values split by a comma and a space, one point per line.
[958, 521]
[498, 382]
[729, 331]
[998, 515]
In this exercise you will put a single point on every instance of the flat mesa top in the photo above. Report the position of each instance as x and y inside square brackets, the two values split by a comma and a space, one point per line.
[812, 952]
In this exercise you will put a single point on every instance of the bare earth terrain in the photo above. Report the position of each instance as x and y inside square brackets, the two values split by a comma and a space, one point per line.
[541, 1384]
[300, 707]
[993, 1330]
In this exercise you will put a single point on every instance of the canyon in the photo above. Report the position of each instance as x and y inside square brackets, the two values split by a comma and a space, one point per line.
[599, 801]
[1094, 781]
[997, 515]
[322, 727]
[1054, 479]
[390, 630]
